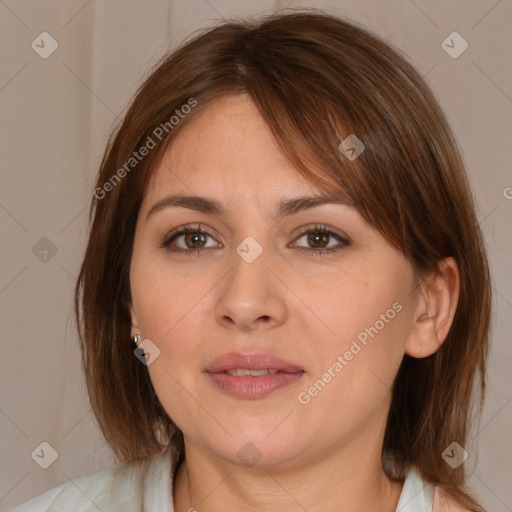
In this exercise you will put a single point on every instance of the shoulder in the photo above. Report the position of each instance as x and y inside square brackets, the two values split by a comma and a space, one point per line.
[102, 490]
[443, 502]
[119, 488]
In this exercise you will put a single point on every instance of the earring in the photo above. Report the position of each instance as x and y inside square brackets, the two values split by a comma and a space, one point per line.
[136, 339]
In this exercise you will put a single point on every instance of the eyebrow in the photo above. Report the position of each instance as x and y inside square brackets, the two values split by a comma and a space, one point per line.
[213, 207]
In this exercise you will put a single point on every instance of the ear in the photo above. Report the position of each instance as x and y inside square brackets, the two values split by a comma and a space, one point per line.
[435, 309]
[134, 329]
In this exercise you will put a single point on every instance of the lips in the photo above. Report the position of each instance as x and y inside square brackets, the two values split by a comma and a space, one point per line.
[254, 361]
[252, 376]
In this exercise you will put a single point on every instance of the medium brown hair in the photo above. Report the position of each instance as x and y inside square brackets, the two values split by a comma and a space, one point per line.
[316, 79]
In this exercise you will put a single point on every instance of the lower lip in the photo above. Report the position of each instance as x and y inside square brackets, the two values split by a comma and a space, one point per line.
[254, 387]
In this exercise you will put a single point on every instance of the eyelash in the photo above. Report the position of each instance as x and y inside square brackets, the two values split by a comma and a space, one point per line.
[318, 229]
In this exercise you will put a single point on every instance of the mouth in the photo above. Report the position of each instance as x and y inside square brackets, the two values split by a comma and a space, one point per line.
[252, 376]
[244, 372]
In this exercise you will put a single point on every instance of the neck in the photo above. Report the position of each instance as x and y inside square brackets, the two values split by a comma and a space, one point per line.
[352, 482]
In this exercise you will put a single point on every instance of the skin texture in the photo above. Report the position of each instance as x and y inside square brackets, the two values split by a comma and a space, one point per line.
[305, 308]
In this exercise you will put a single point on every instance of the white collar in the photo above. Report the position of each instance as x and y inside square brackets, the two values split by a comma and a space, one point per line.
[417, 495]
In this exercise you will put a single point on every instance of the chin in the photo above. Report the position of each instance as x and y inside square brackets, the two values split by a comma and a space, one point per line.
[259, 452]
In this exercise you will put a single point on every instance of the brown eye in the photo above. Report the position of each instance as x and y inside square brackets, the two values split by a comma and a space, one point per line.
[188, 239]
[194, 240]
[318, 240]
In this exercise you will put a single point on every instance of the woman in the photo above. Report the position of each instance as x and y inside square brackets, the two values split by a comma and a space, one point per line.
[283, 226]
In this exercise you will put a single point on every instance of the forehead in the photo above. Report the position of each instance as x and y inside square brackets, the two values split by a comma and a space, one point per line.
[226, 147]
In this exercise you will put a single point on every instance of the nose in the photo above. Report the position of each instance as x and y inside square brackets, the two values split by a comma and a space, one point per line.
[251, 297]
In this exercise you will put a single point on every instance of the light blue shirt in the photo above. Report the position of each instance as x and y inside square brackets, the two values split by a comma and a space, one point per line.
[116, 489]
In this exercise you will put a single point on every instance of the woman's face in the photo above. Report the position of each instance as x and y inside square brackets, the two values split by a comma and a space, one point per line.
[310, 284]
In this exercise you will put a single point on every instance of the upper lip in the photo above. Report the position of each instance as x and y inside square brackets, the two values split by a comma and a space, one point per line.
[250, 361]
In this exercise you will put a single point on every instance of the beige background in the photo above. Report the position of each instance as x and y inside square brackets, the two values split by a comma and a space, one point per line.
[56, 114]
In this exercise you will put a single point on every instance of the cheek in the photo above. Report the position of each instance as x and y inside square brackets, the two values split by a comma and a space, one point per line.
[368, 321]
[164, 299]
[349, 305]
[174, 311]
[170, 311]
[355, 378]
